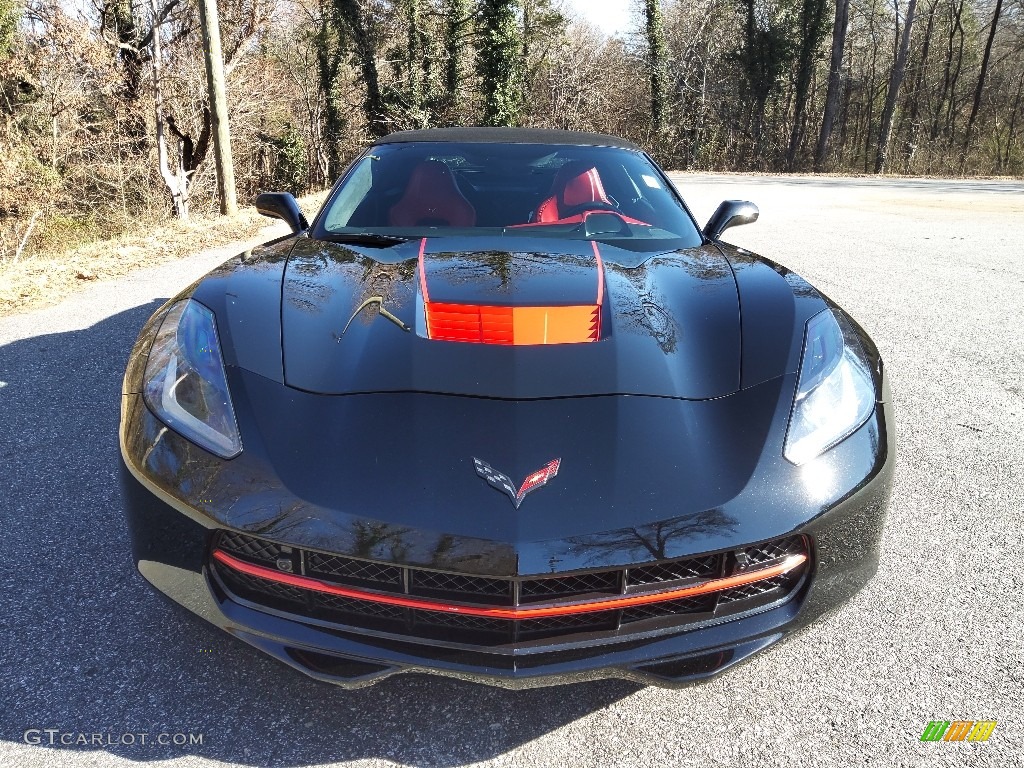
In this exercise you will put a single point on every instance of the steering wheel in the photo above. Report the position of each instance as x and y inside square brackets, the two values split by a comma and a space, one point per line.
[596, 205]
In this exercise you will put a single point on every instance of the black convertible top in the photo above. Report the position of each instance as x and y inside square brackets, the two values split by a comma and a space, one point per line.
[508, 136]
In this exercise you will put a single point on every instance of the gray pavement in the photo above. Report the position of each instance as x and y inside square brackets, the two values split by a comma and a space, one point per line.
[936, 275]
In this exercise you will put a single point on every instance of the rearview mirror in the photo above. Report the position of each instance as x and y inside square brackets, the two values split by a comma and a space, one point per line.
[731, 213]
[281, 205]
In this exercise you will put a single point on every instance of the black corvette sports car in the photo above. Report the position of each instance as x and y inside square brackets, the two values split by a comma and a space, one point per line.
[502, 411]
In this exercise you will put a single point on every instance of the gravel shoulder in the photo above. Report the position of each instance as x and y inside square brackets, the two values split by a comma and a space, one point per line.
[934, 273]
[41, 281]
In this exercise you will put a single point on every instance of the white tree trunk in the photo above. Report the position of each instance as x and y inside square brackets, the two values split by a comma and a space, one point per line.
[177, 183]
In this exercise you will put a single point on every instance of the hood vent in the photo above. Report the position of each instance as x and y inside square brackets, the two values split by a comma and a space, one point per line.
[513, 325]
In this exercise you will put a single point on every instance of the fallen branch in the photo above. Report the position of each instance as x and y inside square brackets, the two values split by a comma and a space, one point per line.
[24, 239]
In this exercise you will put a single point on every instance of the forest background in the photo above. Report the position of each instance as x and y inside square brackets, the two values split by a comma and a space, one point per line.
[91, 90]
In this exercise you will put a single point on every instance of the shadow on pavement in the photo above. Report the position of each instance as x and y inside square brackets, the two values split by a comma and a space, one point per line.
[91, 653]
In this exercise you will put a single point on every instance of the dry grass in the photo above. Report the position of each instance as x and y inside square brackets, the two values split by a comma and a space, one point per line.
[42, 280]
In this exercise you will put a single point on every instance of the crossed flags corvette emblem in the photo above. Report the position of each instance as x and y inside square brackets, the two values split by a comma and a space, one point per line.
[504, 483]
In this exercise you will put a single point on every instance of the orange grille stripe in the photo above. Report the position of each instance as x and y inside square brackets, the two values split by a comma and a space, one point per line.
[626, 601]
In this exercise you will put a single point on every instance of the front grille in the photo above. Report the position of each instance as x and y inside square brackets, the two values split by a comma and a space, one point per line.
[605, 583]
[774, 550]
[704, 604]
[489, 592]
[332, 604]
[246, 585]
[347, 569]
[251, 548]
[467, 588]
[756, 589]
[561, 625]
[678, 570]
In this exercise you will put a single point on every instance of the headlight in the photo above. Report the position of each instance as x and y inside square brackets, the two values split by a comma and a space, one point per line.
[835, 394]
[185, 385]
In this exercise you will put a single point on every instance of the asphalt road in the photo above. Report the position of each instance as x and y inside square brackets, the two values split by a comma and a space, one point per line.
[933, 270]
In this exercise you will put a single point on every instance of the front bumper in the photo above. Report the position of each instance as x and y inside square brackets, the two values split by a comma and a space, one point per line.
[171, 544]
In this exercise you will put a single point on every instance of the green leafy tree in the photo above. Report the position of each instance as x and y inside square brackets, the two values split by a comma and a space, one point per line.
[9, 13]
[357, 21]
[457, 19]
[291, 161]
[766, 53]
[500, 62]
[329, 52]
[656, 57]
[414, 61]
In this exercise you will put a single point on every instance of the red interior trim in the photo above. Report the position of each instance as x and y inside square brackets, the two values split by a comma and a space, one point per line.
[423, 270]
[600, 274]
[578, 219]
[589, 606]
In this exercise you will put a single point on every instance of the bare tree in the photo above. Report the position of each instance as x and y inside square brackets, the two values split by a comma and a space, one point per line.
[177, 181]
[835, 77]
[218, 106]
[895, 81]
[976, 105]
[812, 32]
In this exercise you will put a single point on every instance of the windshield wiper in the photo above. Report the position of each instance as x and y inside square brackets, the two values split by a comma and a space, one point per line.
[366, 238]
[373, 300]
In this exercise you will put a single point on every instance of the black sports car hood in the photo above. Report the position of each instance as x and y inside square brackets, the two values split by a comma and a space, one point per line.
[534, 318]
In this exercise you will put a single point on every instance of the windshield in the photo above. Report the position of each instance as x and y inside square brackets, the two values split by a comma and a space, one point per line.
[434, 189]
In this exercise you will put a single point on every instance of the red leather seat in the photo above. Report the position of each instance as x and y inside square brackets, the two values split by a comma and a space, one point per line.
[575, 184]
[432, 198]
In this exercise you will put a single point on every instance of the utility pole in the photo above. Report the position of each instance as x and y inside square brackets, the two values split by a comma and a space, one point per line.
[218, 106]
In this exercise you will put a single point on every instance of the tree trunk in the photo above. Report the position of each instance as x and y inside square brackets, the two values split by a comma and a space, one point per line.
[981, 77]
[457, 14]
[920, 78]
[946, 96]
[895, 81]
[329, 49]
[812, 28]
[946, 72]
[414, 63]
[951, 103]
[177, 183]
[350, 13]
[528, 10]
[218, 106]
[1005, 163]
[835, 79]
[656, 63]
[499, 62]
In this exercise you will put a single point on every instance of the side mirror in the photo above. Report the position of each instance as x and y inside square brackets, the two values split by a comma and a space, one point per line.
[281, 205]
[731, 213]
